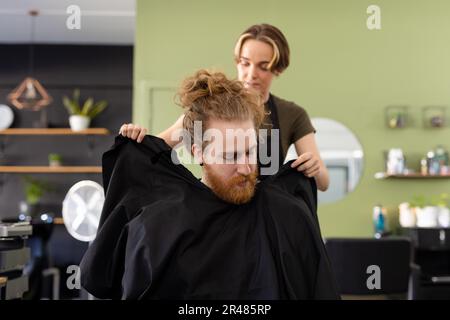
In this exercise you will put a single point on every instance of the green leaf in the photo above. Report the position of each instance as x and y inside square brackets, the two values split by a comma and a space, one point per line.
[35, 189]
[419, 201]
[71, 107]
[87, 107]
[76, 97]
[99, 107]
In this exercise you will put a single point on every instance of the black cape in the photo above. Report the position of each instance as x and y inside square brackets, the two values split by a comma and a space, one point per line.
[165, 235]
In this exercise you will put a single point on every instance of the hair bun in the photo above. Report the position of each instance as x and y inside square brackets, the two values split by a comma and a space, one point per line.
[202, 85]
[210, 95]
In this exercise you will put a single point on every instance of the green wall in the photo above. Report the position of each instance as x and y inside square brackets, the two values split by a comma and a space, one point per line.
[339, 70]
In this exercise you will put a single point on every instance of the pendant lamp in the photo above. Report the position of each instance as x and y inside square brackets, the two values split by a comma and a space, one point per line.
[30, 94]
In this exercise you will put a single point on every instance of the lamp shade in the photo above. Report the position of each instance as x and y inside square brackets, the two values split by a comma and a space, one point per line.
[30, 94]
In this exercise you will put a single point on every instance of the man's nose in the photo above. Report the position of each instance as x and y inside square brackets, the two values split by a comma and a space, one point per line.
[244, 169]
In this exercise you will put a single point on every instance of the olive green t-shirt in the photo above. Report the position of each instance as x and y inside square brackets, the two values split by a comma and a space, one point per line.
[293, 120]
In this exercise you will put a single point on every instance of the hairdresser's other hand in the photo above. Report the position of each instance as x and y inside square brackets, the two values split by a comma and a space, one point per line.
[308, 163]
[133, 131]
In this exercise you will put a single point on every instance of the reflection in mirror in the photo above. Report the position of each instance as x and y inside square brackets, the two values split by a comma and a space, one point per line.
[342, 154]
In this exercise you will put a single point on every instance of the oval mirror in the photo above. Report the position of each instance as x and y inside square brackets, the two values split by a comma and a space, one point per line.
[342, 154]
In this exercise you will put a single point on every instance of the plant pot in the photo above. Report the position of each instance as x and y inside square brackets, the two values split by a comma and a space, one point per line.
[407, 216]
[444, 217]
[54, 163]
[78, 123]
[427, 217]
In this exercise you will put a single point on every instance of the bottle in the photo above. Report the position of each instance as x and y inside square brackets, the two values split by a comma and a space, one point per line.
[395, 161]
[379, 226]
[432, 163]
[423, 166]
[379, 221]
[441, 158]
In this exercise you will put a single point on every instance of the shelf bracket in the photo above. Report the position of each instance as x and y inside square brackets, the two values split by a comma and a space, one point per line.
[91, 145]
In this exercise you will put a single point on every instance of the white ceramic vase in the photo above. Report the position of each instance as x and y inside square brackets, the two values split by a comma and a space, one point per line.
[78, 123]
[407, 216]
[444, 217]
[427, 217]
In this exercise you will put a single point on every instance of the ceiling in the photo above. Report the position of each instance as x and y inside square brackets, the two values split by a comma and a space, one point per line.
[102, 22]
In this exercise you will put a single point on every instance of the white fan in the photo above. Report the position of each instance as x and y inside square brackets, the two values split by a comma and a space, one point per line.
[82, 208]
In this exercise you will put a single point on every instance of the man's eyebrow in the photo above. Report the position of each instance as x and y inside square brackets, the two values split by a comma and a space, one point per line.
[236, 152]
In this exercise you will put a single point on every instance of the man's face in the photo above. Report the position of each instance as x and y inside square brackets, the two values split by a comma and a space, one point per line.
[229, 159]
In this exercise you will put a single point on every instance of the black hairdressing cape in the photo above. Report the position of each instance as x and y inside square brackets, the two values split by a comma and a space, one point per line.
[164, 235]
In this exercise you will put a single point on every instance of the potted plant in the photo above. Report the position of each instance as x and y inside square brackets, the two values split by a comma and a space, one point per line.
[82, 114]
[442, 204]
[426, 210]
[54, 159]
[34, 190]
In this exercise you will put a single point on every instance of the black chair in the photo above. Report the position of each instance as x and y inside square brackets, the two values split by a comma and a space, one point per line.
[357, 262]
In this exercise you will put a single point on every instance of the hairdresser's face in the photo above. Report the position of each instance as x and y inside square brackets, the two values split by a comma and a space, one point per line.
[229, 159]
[253, 66]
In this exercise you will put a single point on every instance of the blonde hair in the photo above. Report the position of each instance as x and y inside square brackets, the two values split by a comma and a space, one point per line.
[273, 37]
[211, 95]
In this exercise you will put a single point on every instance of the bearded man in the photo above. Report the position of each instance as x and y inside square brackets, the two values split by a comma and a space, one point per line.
[165, 234]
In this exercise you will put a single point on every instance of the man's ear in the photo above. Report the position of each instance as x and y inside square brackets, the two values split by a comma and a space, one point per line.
[197, 154]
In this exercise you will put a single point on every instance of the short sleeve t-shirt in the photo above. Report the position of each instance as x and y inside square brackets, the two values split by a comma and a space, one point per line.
[293, 120]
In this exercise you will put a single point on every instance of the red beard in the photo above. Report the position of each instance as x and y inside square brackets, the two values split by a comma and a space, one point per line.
[237, 190]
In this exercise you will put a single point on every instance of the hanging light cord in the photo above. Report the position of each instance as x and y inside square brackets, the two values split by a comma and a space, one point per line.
[33, 14]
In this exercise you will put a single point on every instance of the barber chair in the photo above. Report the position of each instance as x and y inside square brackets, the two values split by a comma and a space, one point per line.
[371, 268]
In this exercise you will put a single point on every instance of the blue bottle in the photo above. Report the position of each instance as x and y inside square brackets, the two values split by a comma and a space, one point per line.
[380, 227]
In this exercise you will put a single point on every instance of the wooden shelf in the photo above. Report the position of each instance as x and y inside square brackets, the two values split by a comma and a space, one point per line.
[47, 169]
[54, 131]
[58, 220]
[384, 175]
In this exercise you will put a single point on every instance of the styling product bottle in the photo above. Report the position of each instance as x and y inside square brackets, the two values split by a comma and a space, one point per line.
[379, 221]
[423, 166]
[441, 159]
[433, 164]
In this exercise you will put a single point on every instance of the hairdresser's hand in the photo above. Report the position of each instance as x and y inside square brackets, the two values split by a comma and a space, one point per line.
[308, 163]
[133, 131]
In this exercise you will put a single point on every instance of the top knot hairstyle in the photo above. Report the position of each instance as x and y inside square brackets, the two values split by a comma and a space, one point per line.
[211, 95]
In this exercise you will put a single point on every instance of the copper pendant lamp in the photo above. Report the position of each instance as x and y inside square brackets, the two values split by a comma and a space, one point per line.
[30, 94]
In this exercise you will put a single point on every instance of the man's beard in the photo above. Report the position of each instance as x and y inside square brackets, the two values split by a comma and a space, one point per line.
[229, 190]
